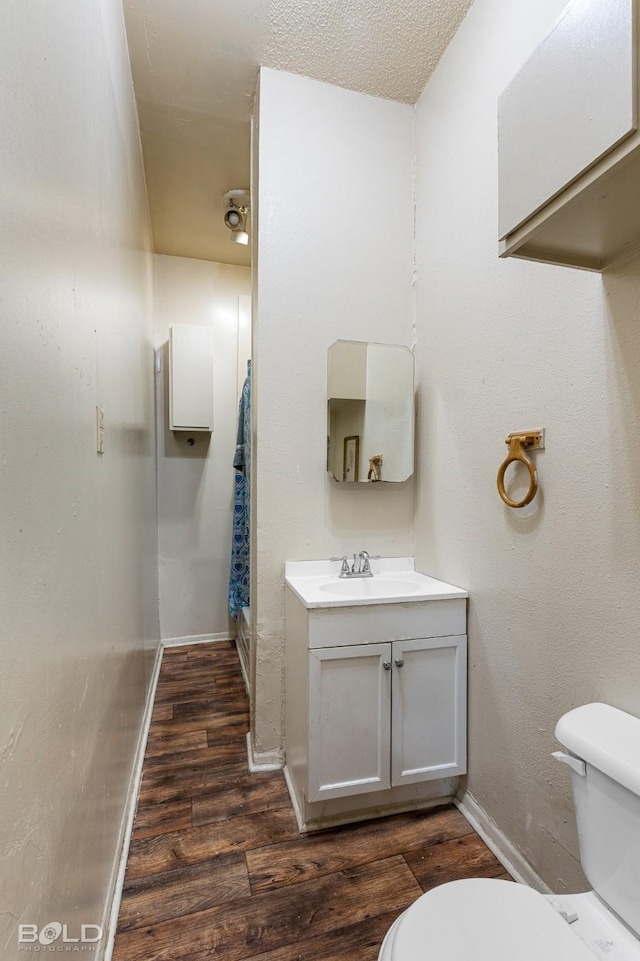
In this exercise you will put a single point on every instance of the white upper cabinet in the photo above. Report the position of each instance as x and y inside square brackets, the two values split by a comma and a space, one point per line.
[568, 132]
[190, 378]
[570, 104]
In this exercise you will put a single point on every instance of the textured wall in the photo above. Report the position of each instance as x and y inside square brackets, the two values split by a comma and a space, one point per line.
[327, 158]
[78, 547]
[195, 484]
[507, 345]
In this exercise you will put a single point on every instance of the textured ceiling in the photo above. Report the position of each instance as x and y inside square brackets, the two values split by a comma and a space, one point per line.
[388, 48]
[195, 64]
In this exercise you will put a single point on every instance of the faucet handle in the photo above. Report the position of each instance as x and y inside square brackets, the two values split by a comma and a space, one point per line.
[345, 566]
[366, 557]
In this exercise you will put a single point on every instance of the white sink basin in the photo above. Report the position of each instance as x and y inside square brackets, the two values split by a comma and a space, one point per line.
[369, 587]
[395, 581]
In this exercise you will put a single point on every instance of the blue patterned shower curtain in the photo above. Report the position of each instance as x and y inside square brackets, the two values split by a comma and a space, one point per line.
[239, 573]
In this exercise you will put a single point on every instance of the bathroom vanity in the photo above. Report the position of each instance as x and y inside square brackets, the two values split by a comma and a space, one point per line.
[375, 690]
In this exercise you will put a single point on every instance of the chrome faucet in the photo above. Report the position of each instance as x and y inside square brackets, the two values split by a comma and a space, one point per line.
[360, 566]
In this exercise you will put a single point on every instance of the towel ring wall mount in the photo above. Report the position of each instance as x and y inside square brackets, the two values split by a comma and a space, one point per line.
[518, 443]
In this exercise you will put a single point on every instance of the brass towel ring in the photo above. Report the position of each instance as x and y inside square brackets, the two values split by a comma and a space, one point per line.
[517, 444]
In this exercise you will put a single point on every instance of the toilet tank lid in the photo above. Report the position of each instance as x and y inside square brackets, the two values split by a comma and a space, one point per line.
[606, 738]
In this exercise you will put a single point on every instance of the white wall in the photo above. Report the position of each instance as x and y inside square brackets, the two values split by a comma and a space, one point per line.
[506, 345]
[328, 158]
[78, 546]
[195, 484]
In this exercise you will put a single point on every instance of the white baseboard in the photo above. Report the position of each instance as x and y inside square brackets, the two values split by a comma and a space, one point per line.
[196, 639]
[504, 849]
[244, 668]
[117, 880]
[302, 828]
[368, 814]
[354, 817]
[265, 761]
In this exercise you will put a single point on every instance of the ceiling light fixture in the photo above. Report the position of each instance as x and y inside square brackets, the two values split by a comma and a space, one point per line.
[236, 205]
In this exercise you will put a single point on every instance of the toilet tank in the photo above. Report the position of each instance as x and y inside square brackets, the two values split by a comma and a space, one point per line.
[607, 800]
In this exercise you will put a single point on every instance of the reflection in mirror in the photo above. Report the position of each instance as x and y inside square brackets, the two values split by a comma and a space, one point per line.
[370, 412]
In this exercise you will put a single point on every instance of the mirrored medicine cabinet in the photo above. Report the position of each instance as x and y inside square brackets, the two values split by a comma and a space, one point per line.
[370, 412]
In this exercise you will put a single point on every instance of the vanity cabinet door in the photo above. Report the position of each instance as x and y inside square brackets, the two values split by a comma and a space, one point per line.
[429, 738]
[349, 720]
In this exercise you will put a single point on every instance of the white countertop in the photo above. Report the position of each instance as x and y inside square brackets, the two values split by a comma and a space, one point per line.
[395, 581]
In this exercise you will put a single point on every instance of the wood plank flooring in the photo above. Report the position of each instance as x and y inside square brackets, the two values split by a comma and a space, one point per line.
[217, 867]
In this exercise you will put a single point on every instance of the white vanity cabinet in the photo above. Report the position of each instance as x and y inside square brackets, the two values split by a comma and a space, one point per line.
[375, 692]
[568, 142]
[381, 715]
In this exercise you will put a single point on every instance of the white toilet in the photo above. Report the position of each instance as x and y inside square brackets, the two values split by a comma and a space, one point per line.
[489, 920]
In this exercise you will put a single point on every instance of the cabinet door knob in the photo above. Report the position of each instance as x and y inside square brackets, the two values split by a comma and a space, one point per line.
[386, 665]
[399, 662]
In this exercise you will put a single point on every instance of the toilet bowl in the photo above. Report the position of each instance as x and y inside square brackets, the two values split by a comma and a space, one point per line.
[484, 919]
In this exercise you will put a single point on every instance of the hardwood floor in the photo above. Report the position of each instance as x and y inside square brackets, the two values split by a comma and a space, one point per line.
[217, 867]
